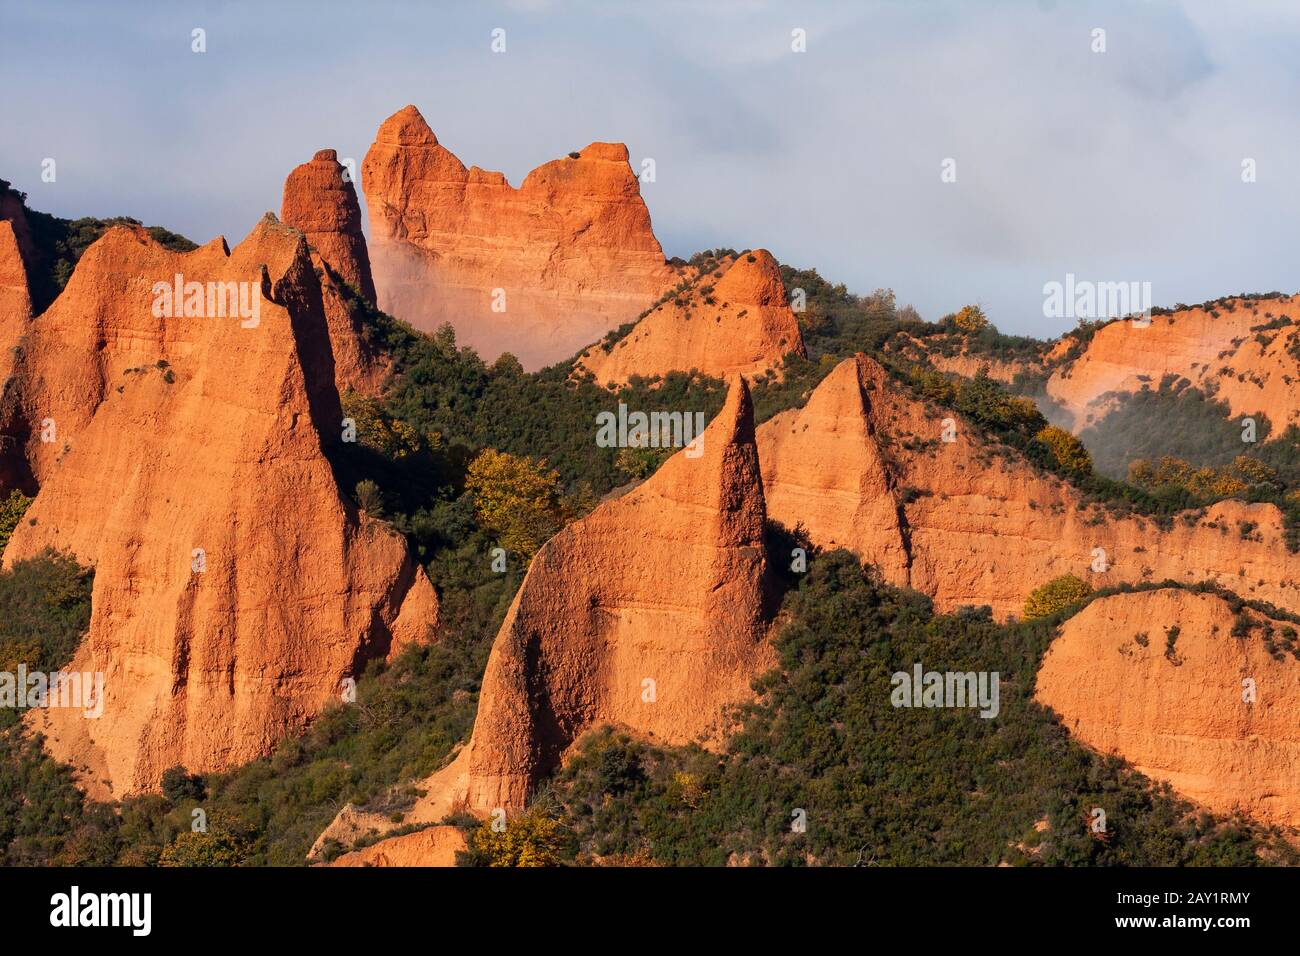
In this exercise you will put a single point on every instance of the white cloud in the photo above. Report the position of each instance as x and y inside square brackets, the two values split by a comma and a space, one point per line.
[1116, 165]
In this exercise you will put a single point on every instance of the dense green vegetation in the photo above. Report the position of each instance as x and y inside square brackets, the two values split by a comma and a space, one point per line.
[1055, 596]
[968, 331]
[12, 509]
[879, 784]
[1184, 450]
[60, 243]
[439, 389]
[1173, 418]
[883, 785]
[44, 610]
[405, 721]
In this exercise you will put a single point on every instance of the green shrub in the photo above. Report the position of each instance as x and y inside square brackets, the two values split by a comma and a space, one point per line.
[1056, 595]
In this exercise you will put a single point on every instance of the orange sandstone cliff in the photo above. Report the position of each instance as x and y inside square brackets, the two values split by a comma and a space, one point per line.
[735, 320]
[16, 253]
[432, 846]
[185, 459]
[1244, 350]
[321, 202]
[540, 270]
[651, 613]
[864, 466]
[1183, 713]
[15, 297]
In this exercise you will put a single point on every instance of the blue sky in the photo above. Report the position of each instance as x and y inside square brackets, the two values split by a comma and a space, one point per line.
[1122, 165]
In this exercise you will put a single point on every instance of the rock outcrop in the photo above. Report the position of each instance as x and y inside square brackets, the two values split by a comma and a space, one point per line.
[16, 254]
[733, 321]
[184, 457]
[970, 522]
[824, 468]
[651, 614]
[1241, 349]
[539, 271]
[432, 846]
[320, 201]
[15, 298]
[1179, 711]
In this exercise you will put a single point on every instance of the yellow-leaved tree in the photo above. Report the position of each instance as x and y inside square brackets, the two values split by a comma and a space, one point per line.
[516, 498]
[1056, 594]
[529, 839]
[11, 512]
[375, 428]
[1067, 451]
[971, 318]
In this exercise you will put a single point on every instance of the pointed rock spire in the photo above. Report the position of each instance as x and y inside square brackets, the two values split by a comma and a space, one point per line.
[651, 613]
[235, 587]
[320, 200]
[823, 468]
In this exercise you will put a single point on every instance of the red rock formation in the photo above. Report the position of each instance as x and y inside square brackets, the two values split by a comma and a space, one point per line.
[176, 433]
[321, 202]
[849, 499]
[13, 211]
[975, 523]
[432, 846]
[571, 248]
[651, 614]
[1181, 716]
[1216, 349]
[734, 321]
[15, 298]
[16, 257]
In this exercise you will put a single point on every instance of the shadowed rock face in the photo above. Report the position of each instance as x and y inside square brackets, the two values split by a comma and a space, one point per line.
[184, 442]
[320, 202]
[737, 324]
[571, 250]
[863, 466]
[1180, 717]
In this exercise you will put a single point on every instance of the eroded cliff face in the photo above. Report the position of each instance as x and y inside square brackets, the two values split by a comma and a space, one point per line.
[733, 321]
[16, 254]
[823, 467]
[969, 522]
[539, 271]
[15, 298]
[1180, 713]
[432, 846]
[183, 456]
[320, 201]
[1225, 348]
[651, 614]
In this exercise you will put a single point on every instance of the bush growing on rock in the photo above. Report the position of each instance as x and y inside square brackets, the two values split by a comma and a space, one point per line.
[1056, 595]
[1066, 450]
